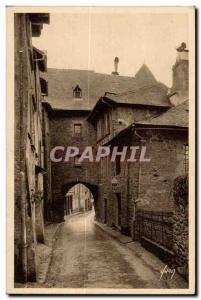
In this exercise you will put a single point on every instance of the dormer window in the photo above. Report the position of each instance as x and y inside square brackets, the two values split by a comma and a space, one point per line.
[77, 92]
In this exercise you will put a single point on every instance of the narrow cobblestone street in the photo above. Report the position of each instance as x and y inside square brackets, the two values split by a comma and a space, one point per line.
[86, 257]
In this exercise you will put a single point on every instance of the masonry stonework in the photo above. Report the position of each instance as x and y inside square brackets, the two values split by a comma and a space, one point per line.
[29, 225]
[65, 174]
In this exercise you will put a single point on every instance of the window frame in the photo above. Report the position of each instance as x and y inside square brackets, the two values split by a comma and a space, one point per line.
[77, 92]
[74, 131]
[77, 163]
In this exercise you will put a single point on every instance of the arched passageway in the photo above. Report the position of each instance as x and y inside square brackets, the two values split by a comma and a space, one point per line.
[78, 199]
[60, 208]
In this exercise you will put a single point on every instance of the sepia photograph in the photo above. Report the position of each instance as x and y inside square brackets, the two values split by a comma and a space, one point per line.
[101, 150]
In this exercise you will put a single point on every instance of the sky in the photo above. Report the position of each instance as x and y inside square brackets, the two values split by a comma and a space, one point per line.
[90, 39]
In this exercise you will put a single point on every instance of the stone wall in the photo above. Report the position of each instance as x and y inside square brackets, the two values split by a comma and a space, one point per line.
[21, 102]
[122, 115]
[67, 173]
[166, 151]
[28, 152]
[145, 185]
[120, 118]
[47, 165]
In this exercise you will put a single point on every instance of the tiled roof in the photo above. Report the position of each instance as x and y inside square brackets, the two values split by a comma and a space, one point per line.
[176, 117]
[155, 95]
[94, 85]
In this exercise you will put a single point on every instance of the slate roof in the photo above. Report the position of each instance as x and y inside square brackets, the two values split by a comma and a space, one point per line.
[142, 86]
[154, 95]
[175, 117]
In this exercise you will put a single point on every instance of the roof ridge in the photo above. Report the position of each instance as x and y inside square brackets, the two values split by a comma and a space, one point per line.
[93, 72]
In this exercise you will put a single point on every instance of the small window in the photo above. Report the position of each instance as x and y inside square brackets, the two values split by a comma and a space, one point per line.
[77, 92]
[78, 129]
[77, 163]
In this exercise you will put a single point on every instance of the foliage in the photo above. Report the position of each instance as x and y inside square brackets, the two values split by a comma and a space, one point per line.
[180, 190]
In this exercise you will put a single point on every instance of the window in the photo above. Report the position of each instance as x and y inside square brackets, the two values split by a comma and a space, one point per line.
[77, 129]
[77, 163]
[186, 155]
[118, 164]
[77, 92]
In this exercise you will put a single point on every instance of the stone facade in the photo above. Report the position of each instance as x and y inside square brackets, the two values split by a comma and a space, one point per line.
[29, 155]
[149, 184]
[46, 117]
[66, 175]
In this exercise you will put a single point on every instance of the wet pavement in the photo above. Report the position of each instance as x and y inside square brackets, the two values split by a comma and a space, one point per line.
[84, 256]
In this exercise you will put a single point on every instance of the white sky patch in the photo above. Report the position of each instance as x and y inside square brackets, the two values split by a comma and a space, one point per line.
[87, 39]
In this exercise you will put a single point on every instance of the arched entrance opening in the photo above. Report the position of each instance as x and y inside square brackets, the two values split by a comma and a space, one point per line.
[61, 207]
[78, 199]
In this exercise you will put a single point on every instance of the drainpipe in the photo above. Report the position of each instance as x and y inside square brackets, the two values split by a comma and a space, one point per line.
[23, 215]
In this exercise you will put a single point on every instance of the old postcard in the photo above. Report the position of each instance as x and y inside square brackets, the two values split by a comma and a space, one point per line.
[101, 150]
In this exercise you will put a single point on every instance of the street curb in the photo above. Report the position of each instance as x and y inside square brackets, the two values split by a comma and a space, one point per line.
[132, 246]
[50, 244]
[123, 239]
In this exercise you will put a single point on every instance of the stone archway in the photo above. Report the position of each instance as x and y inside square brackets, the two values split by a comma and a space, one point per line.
[59, 203]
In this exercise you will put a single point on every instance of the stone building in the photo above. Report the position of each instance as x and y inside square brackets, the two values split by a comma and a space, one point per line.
[137, 197]
[112, 114]
[29, 152]
[72, 95]
[147, 185]
[84, 108]
[79, 119]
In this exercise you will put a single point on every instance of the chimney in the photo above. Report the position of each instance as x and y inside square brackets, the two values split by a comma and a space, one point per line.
[116, 62]
[180, 84]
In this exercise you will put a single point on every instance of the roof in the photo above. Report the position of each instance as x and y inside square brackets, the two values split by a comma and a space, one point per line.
[38, 18]
[94, 85]
[37, 21]
[154, 95]
[176, 116]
